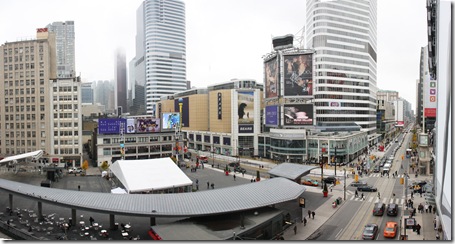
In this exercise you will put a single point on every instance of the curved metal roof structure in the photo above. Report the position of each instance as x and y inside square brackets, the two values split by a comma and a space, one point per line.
[291, 171]
[219, 201]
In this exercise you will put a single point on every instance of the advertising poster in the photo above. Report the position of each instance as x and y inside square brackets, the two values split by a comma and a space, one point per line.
[170, 120]
[245, 112]
[271, 115]
[429, 97]
[271, 78]
[298, 75]
[185, 108]
[148, 125]
[130, 126]
[110, 126]
[299, 114]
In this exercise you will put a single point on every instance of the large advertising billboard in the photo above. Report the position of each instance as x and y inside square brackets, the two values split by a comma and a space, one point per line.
[147, 125]
[170, 120]
[245, 112]
[298, 114]
[271, 78]
[429, 97]
[271, 115]
[110, 125]
[185, 110]
[130, 126]
[298, 75]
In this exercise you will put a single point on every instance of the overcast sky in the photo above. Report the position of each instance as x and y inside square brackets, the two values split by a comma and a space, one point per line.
[226, 39]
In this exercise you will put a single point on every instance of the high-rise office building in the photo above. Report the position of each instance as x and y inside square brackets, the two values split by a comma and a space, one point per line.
[40, 111]
[121, 85]
[104, 95]
[65, 48]
[87, 93]
[343, 35]
[160, 50]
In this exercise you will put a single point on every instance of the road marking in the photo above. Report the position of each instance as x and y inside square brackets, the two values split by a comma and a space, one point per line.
[352, 198]
[402, 201]
[371, 199]
[339, 232]
[384, 200]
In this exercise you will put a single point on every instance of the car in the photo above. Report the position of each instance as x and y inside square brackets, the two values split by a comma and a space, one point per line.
[392, 209]
[358, 183]
[381, 164]
[396, 140]
[330, 180]
[390, 229]
[234, 164]
[376, 169]
[367, 188]
[391, 157]
[187, 155]
[240, 170]
[378, 209]
[310, 182]
[74, 170]
[370, 232]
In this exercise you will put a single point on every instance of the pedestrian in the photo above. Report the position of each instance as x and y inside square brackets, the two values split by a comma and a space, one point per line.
[197, 187]
[434, 223]
[304, 221]
[434, 209]
[208, 184]
[243, 174]
[379, 195]
[78, 187]
[213, 185]
[426, 207]
[91, 221]
[418, 229]
[356, 194]
[309, 214]
[251, 180]
[234, 176]
[197, 181]
[412, 195]
[312, 214]
[295, 229]
[362, 196]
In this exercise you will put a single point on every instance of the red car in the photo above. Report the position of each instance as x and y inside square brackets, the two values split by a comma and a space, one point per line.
[390, 229]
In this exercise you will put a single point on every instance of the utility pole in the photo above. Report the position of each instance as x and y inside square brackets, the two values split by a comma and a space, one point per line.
[335, 160]
[122, 140]
[344, 184]
[322, 170]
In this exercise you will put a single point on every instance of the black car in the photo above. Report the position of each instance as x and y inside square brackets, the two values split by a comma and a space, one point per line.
[330, 180]
[367, 188]
[370, 232]
[239, 169]
[382, 163]
[379, 209]
[392, 209]
[234, 164]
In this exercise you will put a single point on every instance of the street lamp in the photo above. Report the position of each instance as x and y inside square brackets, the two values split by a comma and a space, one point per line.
[335, 160]
[322, 171]
[344, 183]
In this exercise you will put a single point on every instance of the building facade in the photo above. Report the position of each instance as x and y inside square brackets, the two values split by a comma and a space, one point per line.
[87, 93]
[121, 86]
[343, 35]
[65, 48]
[160, 50]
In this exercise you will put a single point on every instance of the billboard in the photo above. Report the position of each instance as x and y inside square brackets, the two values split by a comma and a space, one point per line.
[245, 112]
[298, 75]
[271, 115]
[429, 97]
[170, 120]
[298, 114]
[271, 78]
[185, 108]
[110, 125]
[130, 126]
[148, 125]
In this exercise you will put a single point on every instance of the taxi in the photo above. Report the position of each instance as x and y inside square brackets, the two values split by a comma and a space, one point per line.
[390, 230]
[310, 182]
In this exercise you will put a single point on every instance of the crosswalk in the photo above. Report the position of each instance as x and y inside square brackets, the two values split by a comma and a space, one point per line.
[379, 175]
[375, 199]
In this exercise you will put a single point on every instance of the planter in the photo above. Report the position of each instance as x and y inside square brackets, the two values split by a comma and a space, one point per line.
[325, 193]
[258, 179]
[226, 173]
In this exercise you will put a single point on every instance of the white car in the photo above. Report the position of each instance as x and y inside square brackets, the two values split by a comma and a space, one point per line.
[74, 170]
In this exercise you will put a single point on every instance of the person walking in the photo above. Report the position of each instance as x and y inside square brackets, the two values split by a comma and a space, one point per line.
[295, 229]
[434, 223]
[429, 208]
[379, 195]
[91, 221]
[426, 207]
[418, 229]
[309, 214]
[362, 196]
[208, 184]
[356, 194]
[312, 214]
[213, 185]
[304, 221]
[412, 195]
[234, 176]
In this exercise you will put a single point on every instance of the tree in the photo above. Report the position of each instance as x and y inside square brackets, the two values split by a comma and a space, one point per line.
[104, 165]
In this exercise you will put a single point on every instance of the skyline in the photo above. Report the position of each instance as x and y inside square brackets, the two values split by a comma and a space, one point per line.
[219, 47]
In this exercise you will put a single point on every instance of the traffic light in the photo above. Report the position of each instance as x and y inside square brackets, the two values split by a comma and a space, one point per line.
[401, 180]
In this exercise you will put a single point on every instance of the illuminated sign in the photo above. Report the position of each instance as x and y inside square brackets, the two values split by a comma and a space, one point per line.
[40, 30]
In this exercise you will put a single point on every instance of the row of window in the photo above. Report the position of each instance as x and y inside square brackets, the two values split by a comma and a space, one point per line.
[342, 89]
[65, 98]
[65, 89]
[343, 82]
[21, 134]
[22, 91]
[20, 50]
[22, 82]
[344, 97]
[20, 117]
[344, 104]
[347, 119]
[350, 112]
[65, 124]
[22, 100]
[344, 75]
[66, 133]
[32, 126]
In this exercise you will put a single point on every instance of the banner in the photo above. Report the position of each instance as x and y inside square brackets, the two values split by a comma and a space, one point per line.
[271, 78]
[271, 115]
[130, 126]
[298, 75]
[148, 125]
[299, 114]
[185, 109]
[110, 126]
[170, 120]
[245, 112]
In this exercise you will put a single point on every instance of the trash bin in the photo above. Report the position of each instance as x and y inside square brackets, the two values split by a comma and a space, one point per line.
[339, 199]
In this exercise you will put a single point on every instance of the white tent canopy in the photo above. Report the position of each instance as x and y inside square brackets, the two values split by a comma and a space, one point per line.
[149, 174]
[34, 155]
[118, 190]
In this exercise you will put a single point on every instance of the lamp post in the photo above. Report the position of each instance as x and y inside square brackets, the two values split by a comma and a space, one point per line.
[335, 160]
[179, 127]
[322, 170]
[344, 184]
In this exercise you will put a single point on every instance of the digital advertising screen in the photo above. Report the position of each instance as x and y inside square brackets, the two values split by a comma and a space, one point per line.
[271, 115]
[271, 78]
[298, 114]
[246, 107]
[148, 125]
[298, 75]
[110, 125]
[170, 120]
[185, 108]
[130, 126]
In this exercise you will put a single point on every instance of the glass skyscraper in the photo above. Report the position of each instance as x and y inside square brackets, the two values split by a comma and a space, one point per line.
[343, 35]
[160, 62]
[65, 48]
